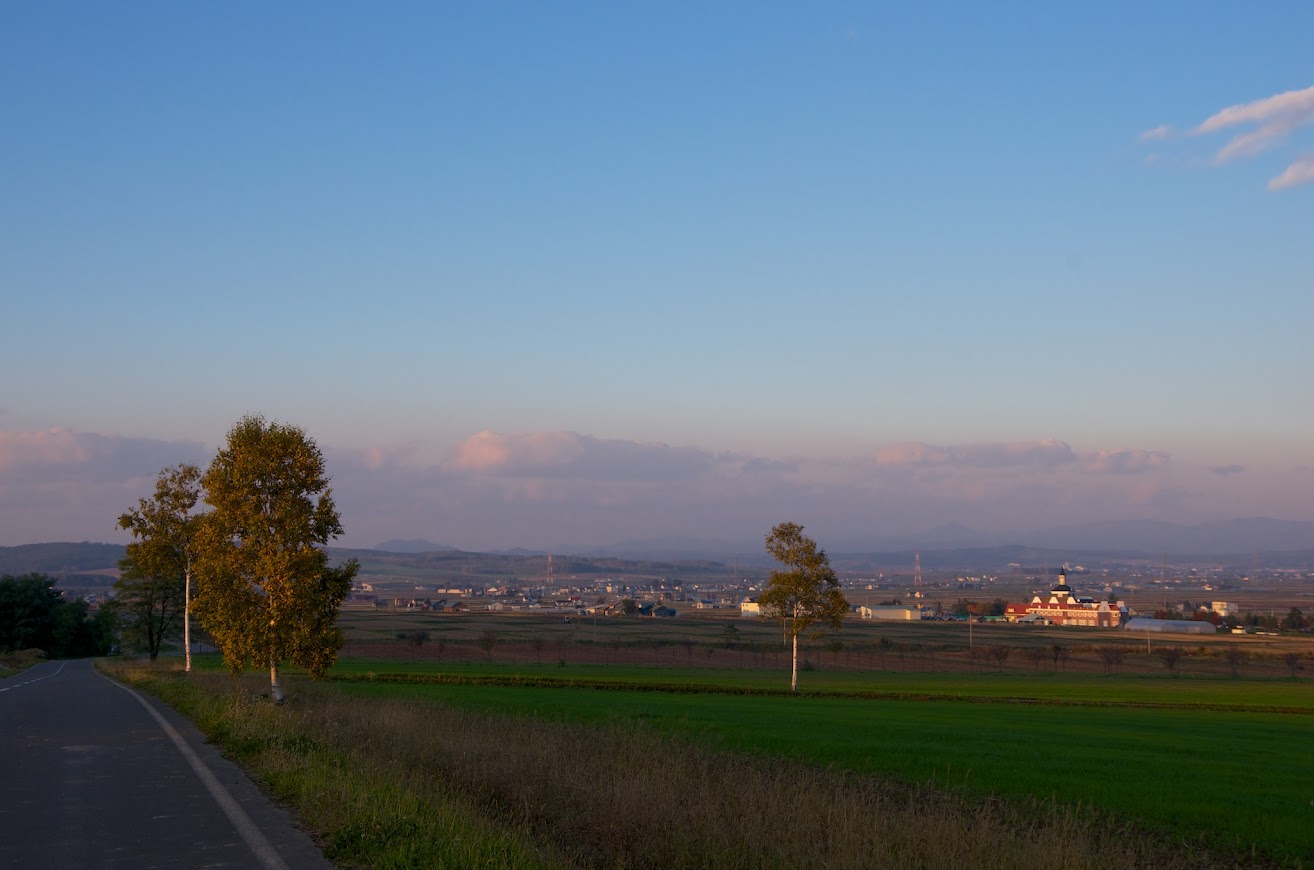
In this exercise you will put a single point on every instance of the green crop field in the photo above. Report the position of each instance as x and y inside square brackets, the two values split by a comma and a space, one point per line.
[1274, 695]
[1192, 758]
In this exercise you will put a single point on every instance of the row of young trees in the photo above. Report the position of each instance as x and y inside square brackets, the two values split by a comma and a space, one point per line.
[252, 568]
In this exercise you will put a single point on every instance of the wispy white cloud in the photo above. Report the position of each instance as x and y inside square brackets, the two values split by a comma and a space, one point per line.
[1124, 461]
[1046, 453]
[1157, 134]
[1287, 110]
[571, 455]
[1269, 121]
[1023, 455]
[1300, 172]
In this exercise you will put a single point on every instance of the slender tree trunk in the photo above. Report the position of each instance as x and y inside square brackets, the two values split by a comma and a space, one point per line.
[275, 690]
[187, 618]
[793, 677]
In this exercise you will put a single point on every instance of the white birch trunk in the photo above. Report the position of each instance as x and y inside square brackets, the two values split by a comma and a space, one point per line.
[275, 690]
[187, 618]
[793, 677]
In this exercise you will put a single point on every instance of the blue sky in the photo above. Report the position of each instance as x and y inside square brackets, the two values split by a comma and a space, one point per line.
[555, 274]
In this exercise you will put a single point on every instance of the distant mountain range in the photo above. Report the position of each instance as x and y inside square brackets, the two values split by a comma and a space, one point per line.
[1236, 542]
[412, 545]
[59, 558]
[421, 545]
[1240, 537]
[1249, 535]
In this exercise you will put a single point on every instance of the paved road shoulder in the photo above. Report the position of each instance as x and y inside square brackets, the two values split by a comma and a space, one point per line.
[90, 778]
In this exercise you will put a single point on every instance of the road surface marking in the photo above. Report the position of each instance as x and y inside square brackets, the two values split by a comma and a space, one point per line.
[33, 680]
[256, 840]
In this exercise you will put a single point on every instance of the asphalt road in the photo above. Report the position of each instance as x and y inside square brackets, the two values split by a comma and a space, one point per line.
[91, 777]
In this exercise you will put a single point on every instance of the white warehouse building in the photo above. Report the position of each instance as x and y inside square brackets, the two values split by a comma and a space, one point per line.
[1175, 626]
[890, 611]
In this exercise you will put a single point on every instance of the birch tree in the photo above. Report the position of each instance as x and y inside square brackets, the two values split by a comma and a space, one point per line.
[268, 593]
[155, 585]
[805, 593]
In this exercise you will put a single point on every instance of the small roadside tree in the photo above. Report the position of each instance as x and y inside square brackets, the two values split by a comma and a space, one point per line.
[155, 584]
[1170, 656]
[487, 641]
[805, 593]
[416, 639]
[1059, 653]
[1292, 661]
[149, 607]
[267, 591]
[1112, 657]
[1236, 657]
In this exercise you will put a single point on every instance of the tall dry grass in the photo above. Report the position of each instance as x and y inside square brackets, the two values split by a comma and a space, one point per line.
[612, 797]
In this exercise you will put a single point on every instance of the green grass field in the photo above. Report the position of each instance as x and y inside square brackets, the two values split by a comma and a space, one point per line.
[1272, 694]
[1206, 759]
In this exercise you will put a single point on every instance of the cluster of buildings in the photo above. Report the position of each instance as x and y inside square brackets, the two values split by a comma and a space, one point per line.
[1063, 606]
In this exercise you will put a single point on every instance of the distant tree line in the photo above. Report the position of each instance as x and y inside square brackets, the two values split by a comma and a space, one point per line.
[62, 558]
[35, 615]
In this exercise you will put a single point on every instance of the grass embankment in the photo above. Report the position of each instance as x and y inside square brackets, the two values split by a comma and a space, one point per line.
[611, 792]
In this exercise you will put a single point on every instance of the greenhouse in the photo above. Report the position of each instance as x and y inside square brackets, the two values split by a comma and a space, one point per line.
[1175, 626]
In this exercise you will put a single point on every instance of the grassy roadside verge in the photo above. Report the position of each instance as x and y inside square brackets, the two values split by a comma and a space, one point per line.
[16, 662]
[370, 776]
[362, 812]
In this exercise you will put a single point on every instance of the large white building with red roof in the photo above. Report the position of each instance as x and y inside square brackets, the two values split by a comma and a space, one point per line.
[1065, 607]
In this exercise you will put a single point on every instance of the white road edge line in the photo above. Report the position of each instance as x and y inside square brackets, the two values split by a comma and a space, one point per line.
[35, 679]
[256, 840]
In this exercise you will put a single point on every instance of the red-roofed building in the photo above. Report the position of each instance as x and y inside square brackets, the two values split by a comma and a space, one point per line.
[1065, 607]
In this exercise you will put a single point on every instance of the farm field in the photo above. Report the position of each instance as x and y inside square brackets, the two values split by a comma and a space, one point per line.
[1215, 755]
[1266, 694]
[1231, 777]
[729, 642]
